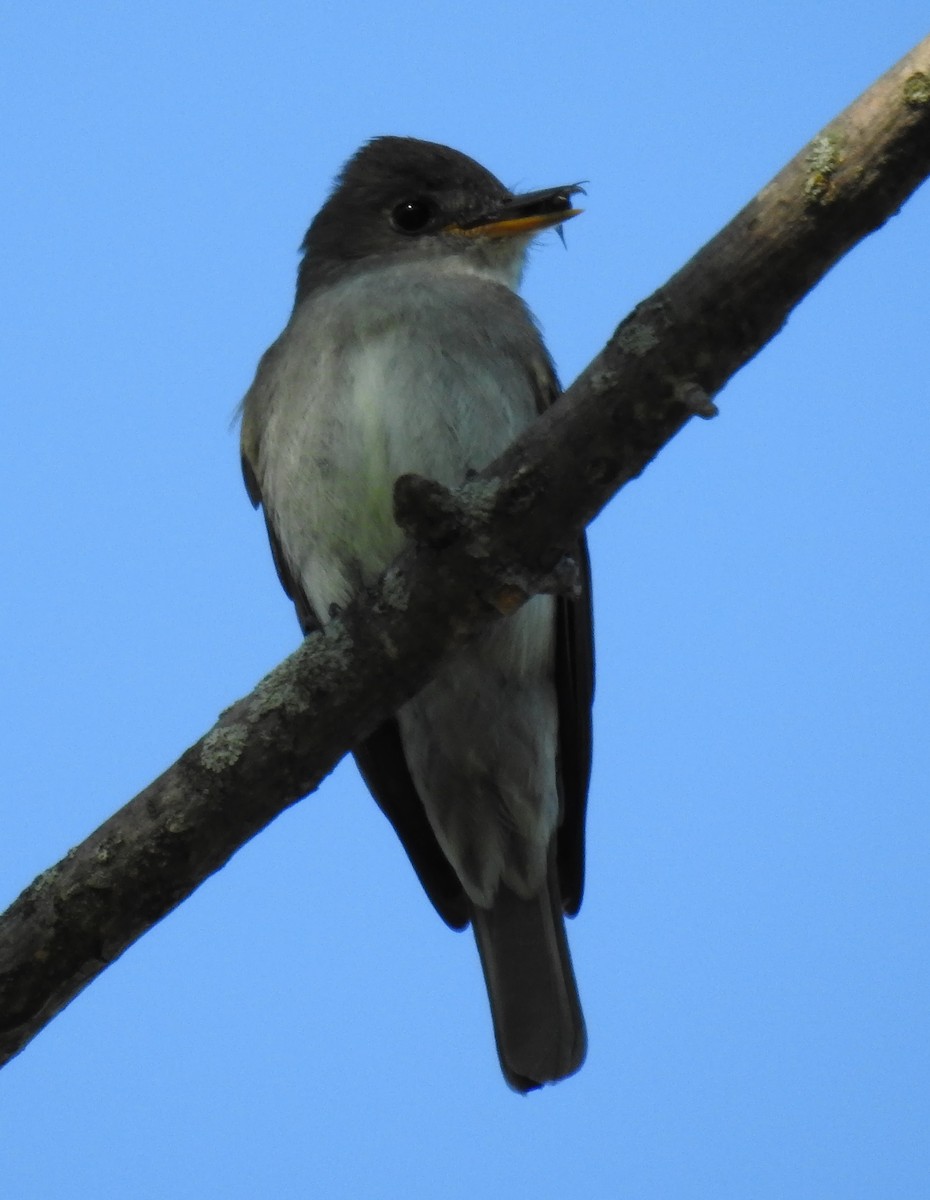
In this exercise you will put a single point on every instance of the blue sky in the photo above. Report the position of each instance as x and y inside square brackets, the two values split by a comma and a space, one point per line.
[752, 952]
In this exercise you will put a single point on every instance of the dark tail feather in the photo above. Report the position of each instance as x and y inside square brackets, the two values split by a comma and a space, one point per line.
[538, 1023]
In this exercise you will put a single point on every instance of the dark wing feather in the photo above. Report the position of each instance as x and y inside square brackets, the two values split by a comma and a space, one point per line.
[574, 680]
[383, 765]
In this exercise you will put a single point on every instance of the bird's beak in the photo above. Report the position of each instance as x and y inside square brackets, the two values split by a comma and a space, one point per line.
[522, 215]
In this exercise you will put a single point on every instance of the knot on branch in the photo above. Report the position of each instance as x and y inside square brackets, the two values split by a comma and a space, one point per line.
[563, 580]
[429, 512]
[436, 516]
[696, 400]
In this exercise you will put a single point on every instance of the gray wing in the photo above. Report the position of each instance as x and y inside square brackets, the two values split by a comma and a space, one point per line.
[574, 665]
[574, 682]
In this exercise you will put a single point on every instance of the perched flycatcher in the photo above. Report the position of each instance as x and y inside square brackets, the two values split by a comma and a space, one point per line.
[409, 350]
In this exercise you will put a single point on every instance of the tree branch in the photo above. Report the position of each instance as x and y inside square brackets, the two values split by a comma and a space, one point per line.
[483, 549]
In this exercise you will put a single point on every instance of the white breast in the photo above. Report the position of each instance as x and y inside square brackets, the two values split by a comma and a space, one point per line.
[399, 370]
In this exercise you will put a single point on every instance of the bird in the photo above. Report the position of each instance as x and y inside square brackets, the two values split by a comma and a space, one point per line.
[409, 350]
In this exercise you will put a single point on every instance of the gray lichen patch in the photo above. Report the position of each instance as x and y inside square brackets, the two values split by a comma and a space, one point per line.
[333, 652]
[222, 747]
[278, 691]
[48, 880]
[823, 160]
[478, 497]
[294, 687]
[825, 153]
[917, 89]
[394, 591]
[637, 338]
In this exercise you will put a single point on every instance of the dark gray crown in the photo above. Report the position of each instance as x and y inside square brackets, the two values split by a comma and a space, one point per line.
[356, 222]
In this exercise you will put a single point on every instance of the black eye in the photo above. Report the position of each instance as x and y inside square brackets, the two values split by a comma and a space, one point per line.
[410, 216]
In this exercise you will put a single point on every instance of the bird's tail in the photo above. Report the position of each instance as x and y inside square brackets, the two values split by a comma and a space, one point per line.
[538, 1024]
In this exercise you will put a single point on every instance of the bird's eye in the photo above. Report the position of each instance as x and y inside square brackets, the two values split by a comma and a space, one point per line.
[412, 216]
